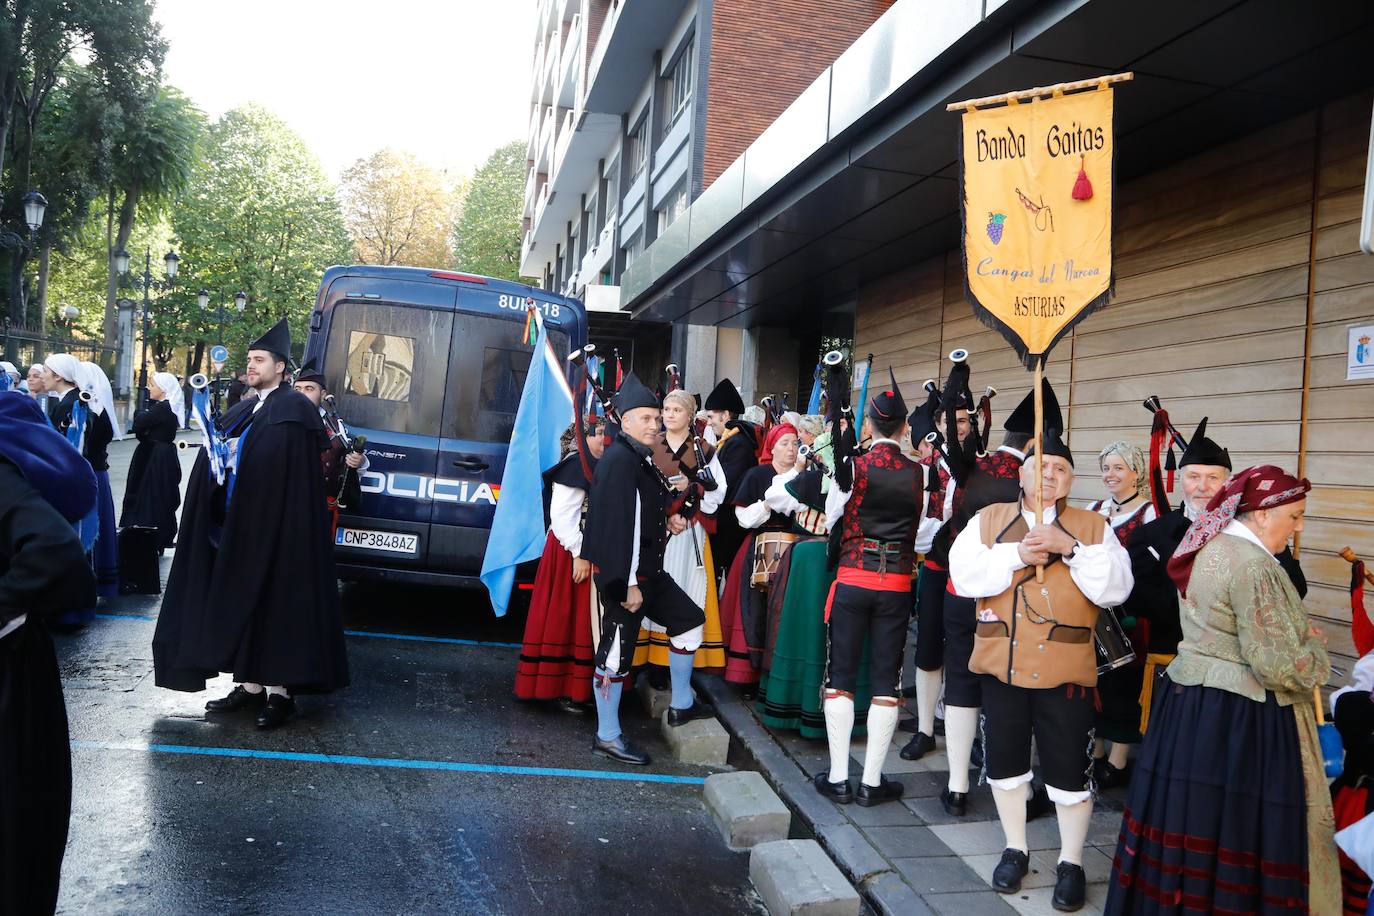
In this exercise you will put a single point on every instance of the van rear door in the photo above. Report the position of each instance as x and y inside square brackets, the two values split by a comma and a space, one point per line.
[393, 362]
[488, 364]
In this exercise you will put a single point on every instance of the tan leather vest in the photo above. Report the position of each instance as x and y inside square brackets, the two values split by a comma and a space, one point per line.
[1035, 634]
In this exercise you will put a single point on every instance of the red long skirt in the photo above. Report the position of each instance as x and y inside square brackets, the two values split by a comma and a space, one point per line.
[556, 657]
[739, 653]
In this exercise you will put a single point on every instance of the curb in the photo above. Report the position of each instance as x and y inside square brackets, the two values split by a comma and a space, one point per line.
[880, 886]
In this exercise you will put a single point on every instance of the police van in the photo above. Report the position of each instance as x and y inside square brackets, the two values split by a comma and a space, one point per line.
[429, 366]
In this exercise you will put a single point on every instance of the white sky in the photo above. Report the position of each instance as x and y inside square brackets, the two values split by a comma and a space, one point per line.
[448, 80]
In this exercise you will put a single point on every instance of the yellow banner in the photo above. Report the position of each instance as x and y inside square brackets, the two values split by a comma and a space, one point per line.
[1037, 183]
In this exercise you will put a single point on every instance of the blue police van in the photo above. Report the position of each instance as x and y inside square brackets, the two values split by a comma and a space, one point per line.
[429, 366]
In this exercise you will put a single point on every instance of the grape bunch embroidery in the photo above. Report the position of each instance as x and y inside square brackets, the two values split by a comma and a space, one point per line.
[995, 225]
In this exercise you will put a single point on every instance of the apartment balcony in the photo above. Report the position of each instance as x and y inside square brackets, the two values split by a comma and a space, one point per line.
[533, 132]
[633, 31]
[569, 65]
[531, 183]
[544, 144]
[601, 251]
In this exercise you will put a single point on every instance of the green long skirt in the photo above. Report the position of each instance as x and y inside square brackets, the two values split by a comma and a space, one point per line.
[790, 690]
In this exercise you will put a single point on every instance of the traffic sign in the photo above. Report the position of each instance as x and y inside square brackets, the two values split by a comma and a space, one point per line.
[219, 353]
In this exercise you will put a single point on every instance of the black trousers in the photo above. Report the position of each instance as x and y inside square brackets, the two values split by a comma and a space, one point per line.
[930, 619]
[857, 614]
[962, 687]
[665, 603]
[1059, 718]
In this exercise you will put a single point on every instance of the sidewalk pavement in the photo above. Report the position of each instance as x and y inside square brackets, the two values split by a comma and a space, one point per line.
[911, 857]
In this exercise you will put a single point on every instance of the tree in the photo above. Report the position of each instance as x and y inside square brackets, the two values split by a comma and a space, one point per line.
[486, 238]
[260, 216]
[397, 211]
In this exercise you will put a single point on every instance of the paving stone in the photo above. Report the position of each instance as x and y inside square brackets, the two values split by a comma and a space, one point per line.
[923, 785]
[701, 742]
[796, 878]
[939, 874]
[906, 842]
[852, 851]
[655, 702]
[972, 839]
[888, 814]
[746, 809]
[892, 896]
[970, 903]
[1036, 901]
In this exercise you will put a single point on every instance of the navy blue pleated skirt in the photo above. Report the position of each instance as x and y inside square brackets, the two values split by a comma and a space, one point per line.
[1216, 816]
[104, 553]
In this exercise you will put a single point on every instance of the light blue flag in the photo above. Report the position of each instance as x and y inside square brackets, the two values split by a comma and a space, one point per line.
[517, 529]
[813, 406]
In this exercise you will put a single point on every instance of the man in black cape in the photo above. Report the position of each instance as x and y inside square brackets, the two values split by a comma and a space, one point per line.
[252, 589]
[737, 447]
[45, 486]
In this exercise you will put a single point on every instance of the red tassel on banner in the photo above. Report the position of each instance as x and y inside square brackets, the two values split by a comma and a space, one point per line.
[1082, 188]
[1361, 627]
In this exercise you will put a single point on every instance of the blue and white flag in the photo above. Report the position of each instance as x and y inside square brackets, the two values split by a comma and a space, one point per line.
[216, 451]
[813, 406]
[517, 529]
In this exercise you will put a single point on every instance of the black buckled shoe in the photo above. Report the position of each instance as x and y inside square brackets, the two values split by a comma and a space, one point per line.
[955, 803]
[887, 790]
[277, 711]
[920, 745]
[1007, 876]
[1070, 888]
[620, 749]
[569, 705]
[238, 698]
[838, 792]
[698, 710]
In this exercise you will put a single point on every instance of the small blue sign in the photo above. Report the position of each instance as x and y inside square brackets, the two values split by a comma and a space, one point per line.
[219, 354]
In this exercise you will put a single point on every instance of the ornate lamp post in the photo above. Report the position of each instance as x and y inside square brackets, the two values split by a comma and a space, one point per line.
[121, 264]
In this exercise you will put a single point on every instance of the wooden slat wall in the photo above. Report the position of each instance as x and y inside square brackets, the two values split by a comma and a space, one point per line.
[1211, 314]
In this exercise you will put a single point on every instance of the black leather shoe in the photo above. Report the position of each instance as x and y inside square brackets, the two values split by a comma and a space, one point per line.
[1039, 804]
[1007, 876]
[920, 745]
[956, 803]
[1111, 777]
[238, 698]
[698, 710]
[838, 792]
[1070, 887]
[909, 725]
[620, 749]
[975, 755]
[277, 711]
[574, 707]
[887, 790]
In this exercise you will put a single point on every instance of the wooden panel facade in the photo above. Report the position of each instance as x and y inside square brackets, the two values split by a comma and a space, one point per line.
[1238, 272]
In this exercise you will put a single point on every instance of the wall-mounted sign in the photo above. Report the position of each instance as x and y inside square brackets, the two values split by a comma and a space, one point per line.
[1359, 353]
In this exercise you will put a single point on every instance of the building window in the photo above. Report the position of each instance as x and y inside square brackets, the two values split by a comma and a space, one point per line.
[633, 249]
[637, 147]
[677, 86]
[610, 188]
[674, 205]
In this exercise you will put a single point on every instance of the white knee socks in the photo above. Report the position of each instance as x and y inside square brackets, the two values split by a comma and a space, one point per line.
[1073, 829]
[882, 722]
[839, 728]
[927, 695]
[1011, 811]
[961, 727]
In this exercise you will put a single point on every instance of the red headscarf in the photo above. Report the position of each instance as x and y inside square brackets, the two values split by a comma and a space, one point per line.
[1262, 487]
[770, 440]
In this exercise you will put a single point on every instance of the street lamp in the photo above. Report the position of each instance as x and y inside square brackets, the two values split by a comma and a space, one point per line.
[203, 299]
[35, 205]
[240, 303]
[121, 264]
[121, 261]
[68, 314]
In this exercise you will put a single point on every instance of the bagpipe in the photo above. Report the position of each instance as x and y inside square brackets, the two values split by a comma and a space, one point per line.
[351, 444]
[1162, 430]
[696, 429]
[839, 413]
[212, 440]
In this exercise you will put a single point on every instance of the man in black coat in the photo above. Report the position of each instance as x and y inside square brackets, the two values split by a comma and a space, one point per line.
[737, 446]
[45, 485]
[627, 531]
[252, 589]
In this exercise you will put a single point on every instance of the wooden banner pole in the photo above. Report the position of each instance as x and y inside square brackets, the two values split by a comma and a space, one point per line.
[1349, 555]
[1040, 92]
[1039, 455]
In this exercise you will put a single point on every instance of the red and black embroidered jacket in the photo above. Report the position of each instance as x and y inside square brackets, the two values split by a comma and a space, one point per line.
[996, 478]
[878, 529]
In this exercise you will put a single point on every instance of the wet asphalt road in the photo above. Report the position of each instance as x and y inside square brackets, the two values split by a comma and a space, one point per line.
[170, 817]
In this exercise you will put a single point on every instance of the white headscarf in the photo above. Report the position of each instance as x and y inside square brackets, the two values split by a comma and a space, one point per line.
[64, 365]
[91, 379]
[176, 398]
[13, 380]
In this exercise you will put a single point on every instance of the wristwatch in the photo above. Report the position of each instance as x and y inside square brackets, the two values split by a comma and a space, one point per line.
[1073, 551]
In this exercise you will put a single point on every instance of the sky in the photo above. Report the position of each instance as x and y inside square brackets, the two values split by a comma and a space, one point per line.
[448, 80]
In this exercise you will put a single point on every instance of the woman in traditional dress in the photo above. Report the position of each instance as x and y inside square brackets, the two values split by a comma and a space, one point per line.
[1229, 810]
[556, 655]
[1127, 509]
[744, 607]
[153, 491]
[688, 556]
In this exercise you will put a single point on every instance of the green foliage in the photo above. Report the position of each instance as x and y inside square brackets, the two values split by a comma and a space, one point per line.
[260, 216]
[486, 238]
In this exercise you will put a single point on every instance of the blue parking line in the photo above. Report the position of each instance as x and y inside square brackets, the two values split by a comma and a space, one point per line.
[446, 640]
[389, 762]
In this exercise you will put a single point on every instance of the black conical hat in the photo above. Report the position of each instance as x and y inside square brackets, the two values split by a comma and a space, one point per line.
[633, 394]
[888, 405]
[276, 340]
[725, 396]
[310, 373]
[1022, 419]
[1202, 450]
[1054, 444]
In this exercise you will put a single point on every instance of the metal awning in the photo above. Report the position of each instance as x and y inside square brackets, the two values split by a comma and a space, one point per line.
[858, 177]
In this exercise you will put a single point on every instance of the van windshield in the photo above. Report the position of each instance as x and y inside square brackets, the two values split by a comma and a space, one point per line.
[395, 365]
[482, 407]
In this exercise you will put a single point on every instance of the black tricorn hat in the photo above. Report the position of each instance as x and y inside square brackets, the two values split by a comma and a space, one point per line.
[633, 394]
[1202, 450]
[888, 405]
[1053, 443]
[277, 340]
[725, 396]
[309, 373]
[1022, 419]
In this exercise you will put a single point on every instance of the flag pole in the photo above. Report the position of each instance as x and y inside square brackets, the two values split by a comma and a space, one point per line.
[1039, 454]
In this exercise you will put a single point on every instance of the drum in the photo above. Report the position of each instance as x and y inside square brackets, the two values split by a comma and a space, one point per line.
[1114, 648]
[769, 547]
